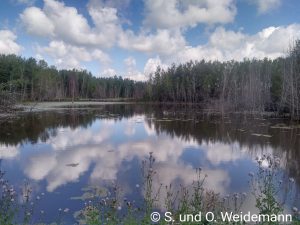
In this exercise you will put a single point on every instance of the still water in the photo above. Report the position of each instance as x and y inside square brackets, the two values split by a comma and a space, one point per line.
[62, 152]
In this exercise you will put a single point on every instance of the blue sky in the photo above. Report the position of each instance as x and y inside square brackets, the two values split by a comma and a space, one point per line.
[132, 37]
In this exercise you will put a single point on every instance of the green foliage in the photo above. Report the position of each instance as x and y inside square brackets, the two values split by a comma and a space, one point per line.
[248, 85]
[269, 189]
[11, 210]
[191, 200]
[105, 207]
[35, 80]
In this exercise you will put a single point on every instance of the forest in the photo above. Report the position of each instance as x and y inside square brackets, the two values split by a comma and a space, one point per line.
[234, 86]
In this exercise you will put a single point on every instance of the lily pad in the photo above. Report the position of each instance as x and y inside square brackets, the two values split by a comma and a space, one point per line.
[262, 135]
[72, 164]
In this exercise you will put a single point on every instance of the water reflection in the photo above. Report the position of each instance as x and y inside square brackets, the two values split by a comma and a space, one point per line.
[64, 151]
[8, 151]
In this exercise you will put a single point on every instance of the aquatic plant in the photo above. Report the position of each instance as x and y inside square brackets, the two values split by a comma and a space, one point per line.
[271, 188]
[106, 205]
[17, 205]
[7, 201]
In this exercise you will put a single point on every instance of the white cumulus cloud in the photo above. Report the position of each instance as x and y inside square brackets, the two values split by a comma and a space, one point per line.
[67, 24]
[264, 6]
[109, 72]
[223, 44]
[131, 70]
[74, 38]
[36, 22]
[25, 2]
[152, 64]
[8, 43]
[69, 56]
[130, 62]
[188, 13]
[163, 41]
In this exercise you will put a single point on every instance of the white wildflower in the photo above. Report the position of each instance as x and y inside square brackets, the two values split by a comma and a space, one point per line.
[66, 210]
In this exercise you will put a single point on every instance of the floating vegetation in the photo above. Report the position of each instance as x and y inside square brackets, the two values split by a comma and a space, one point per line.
[85, 196]
[262, 124]
[284, 126]
[261, 135]
[72, 164]
[164, 120]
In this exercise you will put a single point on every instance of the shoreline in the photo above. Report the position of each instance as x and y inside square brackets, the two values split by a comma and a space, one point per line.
[28, 107]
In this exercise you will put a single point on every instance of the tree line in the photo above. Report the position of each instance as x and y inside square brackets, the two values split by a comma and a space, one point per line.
[248, 85]
[33, 80]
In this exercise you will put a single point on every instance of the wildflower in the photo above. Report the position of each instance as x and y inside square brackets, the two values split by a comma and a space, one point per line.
[295, 209]
[12, 200]
[292, 180]
[59, 209]
[66, 210]
[38, 197]
[42, 211]
[119, 208]
[28, 214]
[244, 194]
[137, 185]
[236, 195]
[43, 194]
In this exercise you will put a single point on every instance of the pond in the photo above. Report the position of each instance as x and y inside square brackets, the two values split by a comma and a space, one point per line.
[62, 153]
